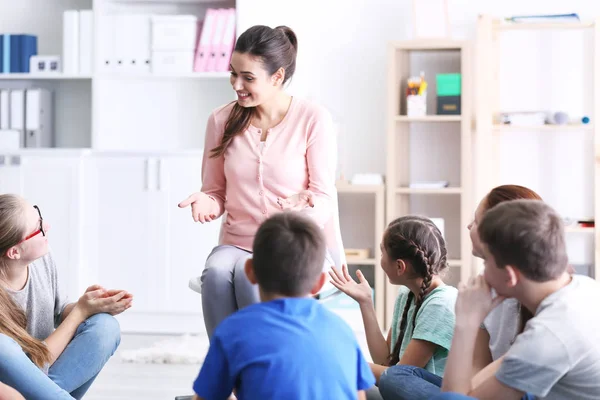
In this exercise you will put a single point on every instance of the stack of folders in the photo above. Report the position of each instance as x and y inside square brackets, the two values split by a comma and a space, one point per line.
[78, 42]
[26, 118]
[166, 44]
[15, 51]
[216, 41]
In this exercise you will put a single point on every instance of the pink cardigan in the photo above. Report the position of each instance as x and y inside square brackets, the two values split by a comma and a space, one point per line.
[299, 154]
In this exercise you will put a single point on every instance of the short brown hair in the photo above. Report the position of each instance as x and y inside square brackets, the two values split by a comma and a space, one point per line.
[527, 234]
[289, 252]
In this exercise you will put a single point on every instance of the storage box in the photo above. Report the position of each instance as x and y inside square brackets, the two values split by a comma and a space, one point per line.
[172, 62]
[175, 32]
[448, 84]
[448, 105]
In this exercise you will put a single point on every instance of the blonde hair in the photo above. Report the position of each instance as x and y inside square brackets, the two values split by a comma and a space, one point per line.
[13, 321]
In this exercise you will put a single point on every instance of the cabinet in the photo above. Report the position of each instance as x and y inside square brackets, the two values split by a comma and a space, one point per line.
[142, 242]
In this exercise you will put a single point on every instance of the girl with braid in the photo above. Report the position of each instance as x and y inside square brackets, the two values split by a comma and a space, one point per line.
[413, 257]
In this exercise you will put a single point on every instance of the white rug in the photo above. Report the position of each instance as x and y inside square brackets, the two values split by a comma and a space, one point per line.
[185, 349]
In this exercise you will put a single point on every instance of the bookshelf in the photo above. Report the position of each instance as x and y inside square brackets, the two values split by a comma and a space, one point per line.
[171, 109]
[371, 200]
[554, 142]
[430, 148]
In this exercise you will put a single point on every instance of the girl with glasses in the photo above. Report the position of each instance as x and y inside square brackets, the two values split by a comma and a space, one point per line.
[49, 348]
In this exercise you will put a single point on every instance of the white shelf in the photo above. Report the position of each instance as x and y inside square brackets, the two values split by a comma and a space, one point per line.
[448, 190]
[430, 118]
[191, 75]
[579, 229]
[43, 77]
[548, 128]
[454, 263]
[509, 26]
[167, 1]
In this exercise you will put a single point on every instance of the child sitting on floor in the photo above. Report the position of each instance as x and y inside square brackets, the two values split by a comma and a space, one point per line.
[288, 346]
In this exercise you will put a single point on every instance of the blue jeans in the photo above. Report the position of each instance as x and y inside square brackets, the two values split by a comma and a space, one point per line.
[456, 396]
[72, 374]
[405, 382]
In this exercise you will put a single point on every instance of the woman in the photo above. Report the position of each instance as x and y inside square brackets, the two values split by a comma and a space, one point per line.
[264, 153]
[36, 359]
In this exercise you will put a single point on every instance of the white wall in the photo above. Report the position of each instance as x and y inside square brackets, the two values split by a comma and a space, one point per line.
[342, 64]
[342, 54]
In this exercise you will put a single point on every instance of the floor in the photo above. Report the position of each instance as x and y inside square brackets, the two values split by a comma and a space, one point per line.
[127, 381]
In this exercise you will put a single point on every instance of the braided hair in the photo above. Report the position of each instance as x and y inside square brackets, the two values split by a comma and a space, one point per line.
[419, 241]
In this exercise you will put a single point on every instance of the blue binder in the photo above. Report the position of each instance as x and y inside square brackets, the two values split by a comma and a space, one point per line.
[15, 53]
[28, 49]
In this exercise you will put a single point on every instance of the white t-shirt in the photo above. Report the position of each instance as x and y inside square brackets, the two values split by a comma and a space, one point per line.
[558, 354]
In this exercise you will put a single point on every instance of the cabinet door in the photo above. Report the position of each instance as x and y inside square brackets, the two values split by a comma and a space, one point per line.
[188, 243]
[124, 212]
[52, 183]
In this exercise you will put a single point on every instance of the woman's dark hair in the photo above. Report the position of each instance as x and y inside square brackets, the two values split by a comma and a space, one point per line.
[499, 195]
[418, 241]
[276, 48]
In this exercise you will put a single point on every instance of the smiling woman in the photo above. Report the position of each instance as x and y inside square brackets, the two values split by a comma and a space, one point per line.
[264, 153]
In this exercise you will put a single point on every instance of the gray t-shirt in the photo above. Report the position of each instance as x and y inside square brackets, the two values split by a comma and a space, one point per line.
[502, 323]
[558, 354]
[41, 298]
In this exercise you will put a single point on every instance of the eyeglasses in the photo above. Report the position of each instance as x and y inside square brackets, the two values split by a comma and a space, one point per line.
[38, 231]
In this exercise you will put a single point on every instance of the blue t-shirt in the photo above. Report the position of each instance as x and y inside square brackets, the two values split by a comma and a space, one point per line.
[292, 348]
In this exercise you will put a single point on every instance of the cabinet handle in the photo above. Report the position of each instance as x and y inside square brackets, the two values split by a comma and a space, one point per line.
[147, 174]
[2, 160]
[15, 160]
[158, 174]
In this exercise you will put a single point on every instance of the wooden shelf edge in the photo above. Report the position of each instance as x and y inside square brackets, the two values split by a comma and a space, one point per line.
[360, 261]
[350, 188]
[444, 191]
[510, 26]
[518, 128]
[429, 118]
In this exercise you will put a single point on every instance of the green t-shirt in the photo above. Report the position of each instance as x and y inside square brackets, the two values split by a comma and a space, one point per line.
[435, 323]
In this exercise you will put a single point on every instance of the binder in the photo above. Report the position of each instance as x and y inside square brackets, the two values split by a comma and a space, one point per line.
[223, 55]
[106, 44]
[1, 53]
[29, 47]
[86, 41]
[4, 109]
[221, 20]
[17, 112]
[6, 53]
[132, 43]
[70, 42]
[16, 48]
[139, 43]
[204, 43]
[38, 118]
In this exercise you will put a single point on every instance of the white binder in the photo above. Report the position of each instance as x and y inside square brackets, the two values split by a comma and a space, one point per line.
[71, 42]
[4, 109]
[39, 118]
[86, 41]
[17, 113]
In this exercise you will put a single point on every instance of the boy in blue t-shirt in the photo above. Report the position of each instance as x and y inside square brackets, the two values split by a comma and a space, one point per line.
[288, 346]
